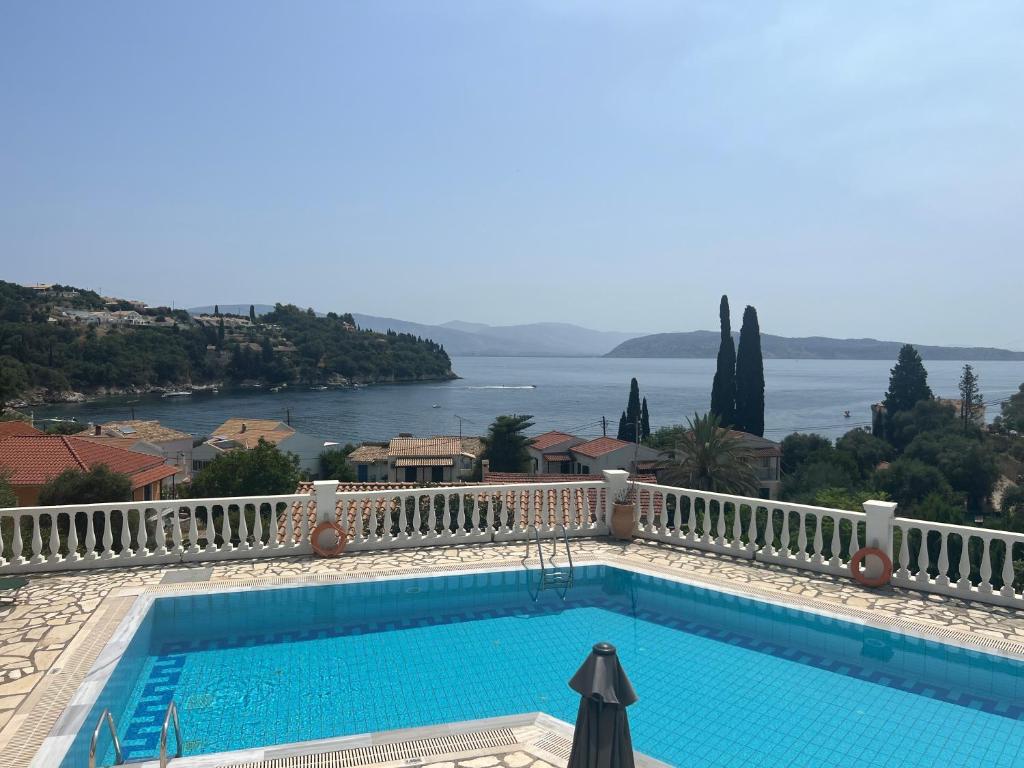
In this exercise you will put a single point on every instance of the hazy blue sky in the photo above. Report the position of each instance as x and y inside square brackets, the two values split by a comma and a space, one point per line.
[850, 168]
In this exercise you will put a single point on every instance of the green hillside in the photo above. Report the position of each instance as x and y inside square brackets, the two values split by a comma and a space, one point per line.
[51, 346]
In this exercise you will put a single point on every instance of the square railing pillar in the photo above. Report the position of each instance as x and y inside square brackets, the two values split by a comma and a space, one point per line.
[616, 481]
[325, 494]
[878, 532]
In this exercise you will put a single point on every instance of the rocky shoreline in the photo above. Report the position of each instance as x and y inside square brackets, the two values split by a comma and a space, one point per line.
[41, 396]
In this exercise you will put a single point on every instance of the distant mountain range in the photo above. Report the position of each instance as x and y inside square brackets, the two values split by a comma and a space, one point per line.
[567, 340]
[704, 344]
[530, 340]
[480, 339]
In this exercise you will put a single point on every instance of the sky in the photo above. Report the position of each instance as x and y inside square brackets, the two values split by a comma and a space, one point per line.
[850, 169]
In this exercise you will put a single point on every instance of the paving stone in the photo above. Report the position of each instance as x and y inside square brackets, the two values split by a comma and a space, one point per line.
[480, 762]
[517, 760]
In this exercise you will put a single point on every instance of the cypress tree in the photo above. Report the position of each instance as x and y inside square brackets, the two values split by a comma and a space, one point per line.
[908, 382]
[723, 390]
[645, 422]
[970, 396]
[622, 426]
[252, 314]
[216, 310]
[750, 377]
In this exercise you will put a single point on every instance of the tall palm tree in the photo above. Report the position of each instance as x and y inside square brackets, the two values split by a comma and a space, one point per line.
[710, 458]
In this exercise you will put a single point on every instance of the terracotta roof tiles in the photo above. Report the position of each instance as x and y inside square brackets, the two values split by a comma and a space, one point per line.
[542, 442]
[600, 446]
[35, 459]
[11, 428]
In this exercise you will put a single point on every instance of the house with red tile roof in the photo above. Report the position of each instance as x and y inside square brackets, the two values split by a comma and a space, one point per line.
[34, 460]
[12, 428]
[550, 452]
[439, 459]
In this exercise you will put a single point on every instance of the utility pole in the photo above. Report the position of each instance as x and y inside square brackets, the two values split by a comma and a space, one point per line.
[460, 425]
[604, 426]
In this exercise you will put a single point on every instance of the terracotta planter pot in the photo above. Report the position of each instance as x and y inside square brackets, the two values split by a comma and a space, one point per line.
[622, 521]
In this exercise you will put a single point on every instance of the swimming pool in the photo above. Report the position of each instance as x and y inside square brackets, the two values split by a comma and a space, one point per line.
[723, 680]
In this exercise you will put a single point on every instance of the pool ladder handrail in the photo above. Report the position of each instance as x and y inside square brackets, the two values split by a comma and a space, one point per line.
[557, 577]
[172, 713]
[108, 718]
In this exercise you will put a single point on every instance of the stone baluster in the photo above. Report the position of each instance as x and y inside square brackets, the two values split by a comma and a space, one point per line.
[257, 526]
[836, 561]
[784, 548]
[72, 555]
[2, 560]
[985, 587]
[17, 546]
[923, 558]
[193, 527]
[108, 533]
[54, 540]
[225, 527]
[37, 540]
[819, 540]
[243, 526]
[769, 532]
[964, 584]
[942, 577]
[801, 536]
[432, 517]
[1008, 575]
[904, 569]
[751, 529]
[176, 536]
[737, 526]
[126, 534]
[142, 532]
[416, 523]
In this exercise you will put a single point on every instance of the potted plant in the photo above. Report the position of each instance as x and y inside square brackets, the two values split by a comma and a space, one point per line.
[621, 525]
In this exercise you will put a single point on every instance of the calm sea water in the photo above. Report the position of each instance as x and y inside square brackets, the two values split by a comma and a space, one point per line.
[570, 394]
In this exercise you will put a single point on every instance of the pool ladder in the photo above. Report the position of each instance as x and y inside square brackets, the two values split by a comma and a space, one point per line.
[555, 577]
[106, 717]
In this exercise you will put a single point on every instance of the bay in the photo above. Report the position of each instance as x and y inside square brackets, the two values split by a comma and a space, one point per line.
[570, 394]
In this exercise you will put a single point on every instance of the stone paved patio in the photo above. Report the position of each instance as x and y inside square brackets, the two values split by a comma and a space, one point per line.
[50, 612]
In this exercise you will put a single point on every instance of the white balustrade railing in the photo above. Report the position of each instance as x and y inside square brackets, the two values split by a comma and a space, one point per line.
[933, 557]
[36, 539]
[972, 563]
[797, 535]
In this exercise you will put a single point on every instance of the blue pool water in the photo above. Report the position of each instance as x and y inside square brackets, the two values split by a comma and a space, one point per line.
[723, 681]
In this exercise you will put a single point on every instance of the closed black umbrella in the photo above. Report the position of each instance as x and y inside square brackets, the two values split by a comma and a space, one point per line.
[601, 738]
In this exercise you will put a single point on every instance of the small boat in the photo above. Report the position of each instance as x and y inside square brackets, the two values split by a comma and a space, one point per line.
[275, 389]
[846, 414]
[435, 405]
[318, 389]
[181, 393]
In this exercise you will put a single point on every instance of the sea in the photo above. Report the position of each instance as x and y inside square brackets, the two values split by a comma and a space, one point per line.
[584, 396]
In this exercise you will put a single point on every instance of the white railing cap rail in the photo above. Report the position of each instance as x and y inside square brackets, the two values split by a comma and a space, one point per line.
[913, 522]
[751, 500]
[469, 489]
[117, 506]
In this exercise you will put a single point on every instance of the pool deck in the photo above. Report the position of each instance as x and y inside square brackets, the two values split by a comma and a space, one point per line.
[52, 635]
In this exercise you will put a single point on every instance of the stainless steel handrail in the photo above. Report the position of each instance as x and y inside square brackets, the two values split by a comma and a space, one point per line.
[172, 712]
[105, 716]
[540, 549]
[568, 551]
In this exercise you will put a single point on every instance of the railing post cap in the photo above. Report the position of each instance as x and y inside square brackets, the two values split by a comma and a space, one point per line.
[615, 474]
[875, 504]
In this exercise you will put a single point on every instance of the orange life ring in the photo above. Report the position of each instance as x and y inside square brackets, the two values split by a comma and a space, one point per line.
[338, 548]
[858, 574]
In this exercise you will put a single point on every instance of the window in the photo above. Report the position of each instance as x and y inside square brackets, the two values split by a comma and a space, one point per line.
[362, 473]
[147, 495]
[410, 474]
[437, 474]
[764, 493]
[586, 469]
[565, 468]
